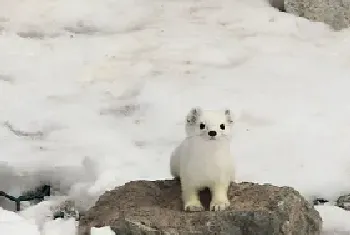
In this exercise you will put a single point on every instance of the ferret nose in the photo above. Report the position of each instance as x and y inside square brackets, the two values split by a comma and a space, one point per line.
[212, 133]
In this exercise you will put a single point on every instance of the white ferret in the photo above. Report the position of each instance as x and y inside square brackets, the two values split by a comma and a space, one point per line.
[204, 158]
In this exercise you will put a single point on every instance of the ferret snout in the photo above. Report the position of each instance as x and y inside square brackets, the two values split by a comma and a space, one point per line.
[212, 133]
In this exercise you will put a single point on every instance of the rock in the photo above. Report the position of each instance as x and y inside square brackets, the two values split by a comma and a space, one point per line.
[66, 210]
[335, 13]
[155, 207]
[344, 202]
[279, 4]
[319, 201]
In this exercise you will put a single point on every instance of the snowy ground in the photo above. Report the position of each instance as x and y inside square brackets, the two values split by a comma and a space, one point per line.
[93, 93]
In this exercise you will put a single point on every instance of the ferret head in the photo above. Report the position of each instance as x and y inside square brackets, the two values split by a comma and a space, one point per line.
[209, 124]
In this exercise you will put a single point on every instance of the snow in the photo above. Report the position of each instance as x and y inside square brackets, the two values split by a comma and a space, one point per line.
[12, 223]
[102, 231]
[93, 93]
[59, 227]
[335, 219]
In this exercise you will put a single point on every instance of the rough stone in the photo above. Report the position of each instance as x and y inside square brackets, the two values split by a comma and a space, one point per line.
[155, 207]
[335, 13]
[279, 4]
[344, 202]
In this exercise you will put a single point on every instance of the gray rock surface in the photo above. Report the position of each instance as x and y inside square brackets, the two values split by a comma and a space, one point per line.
[344, 202]
[335, 13]
[155, 207]
[279, 4]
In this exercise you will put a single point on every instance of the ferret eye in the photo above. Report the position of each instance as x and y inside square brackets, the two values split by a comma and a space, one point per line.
[202, 126]
[222, 126]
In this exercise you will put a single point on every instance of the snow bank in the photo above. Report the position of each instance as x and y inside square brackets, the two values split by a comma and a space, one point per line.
[12, 223]
[93, 93]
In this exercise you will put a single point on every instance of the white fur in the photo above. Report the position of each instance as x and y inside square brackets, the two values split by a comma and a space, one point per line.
[204, 161]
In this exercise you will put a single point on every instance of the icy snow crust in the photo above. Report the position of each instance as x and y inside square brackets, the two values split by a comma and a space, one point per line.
[93, 93]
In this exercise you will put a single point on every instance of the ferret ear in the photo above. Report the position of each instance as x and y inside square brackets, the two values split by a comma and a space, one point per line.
[229, 116]
[193, 115]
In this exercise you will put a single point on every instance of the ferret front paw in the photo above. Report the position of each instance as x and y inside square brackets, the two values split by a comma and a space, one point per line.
[193, 206]
[219, 205]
